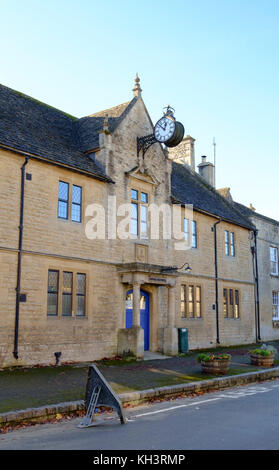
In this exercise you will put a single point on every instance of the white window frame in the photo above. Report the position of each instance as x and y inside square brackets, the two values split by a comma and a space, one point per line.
[273, 260]
[192, 232]
[275, 305]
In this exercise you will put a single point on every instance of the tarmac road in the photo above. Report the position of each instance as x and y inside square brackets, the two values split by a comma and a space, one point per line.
[239, 418]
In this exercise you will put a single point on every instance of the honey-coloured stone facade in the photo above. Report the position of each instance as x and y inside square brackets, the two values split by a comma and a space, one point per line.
[112, 266]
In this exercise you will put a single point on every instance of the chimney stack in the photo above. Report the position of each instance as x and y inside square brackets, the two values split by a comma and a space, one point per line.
[206, 171]
[184, 152]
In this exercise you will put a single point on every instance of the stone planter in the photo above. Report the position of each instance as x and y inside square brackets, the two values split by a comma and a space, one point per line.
[216, 366]
[263, 361]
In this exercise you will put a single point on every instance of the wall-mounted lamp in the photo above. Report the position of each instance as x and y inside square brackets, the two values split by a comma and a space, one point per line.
[187, 267]
[175, 268]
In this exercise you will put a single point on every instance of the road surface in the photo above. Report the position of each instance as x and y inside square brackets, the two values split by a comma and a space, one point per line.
[240, 418]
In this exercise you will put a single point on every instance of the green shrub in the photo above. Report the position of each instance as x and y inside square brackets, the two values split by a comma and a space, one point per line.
[212, 357]
[261, 352]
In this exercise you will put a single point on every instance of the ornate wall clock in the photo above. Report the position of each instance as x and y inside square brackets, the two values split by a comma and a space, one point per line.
[167, 130]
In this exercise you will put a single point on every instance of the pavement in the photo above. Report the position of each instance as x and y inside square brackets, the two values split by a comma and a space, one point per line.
[38, 386]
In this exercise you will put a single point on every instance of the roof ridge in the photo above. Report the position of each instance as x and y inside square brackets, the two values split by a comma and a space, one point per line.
[20, 93]
[104, 111]
[202, 183]
[255, 213]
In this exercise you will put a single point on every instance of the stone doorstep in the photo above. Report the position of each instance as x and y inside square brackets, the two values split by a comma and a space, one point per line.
[50, 411]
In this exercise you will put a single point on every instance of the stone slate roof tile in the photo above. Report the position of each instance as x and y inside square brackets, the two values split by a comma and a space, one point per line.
[250, 213]
[88, 127]
[189, 188]
[33, 127]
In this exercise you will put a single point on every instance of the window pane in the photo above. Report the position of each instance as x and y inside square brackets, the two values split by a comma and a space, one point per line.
[129, 300]
[134, 194]
[144, 197]
[143, 230]
[134, 218]
[191, 293]
[67, 293]
[186, 229]
[67, 282]
[275, 305]
[62, 210]
[142, 303]
[63, 192]
[134, 227]
[52, 281]
[191, 301]
[51, 304]
[230, 303]
[236, 304]
[66, 304]
[227, 249]
[76, 194]
[143, 226]
[198, 301]
[134, 211]
[225, 300]
[81, 282]
[76, 213]
[194, 234]
[232, 244]
[273, 260]
[143, 213]
[52, 295]
[80, 305]
[183, 299]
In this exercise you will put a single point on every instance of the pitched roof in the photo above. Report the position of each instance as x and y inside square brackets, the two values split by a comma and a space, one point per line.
[189, 188]
[88, 127]
[250, 213]
[33, 127]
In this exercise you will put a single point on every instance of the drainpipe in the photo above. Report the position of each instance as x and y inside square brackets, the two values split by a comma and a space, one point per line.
[216, 282]
[19, 256]
[257, 300]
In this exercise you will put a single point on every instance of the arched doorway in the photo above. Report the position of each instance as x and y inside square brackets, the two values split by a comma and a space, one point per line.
[144, 314]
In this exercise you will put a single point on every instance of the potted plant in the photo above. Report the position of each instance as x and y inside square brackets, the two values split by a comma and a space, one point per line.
[262, 357]
[214, 363]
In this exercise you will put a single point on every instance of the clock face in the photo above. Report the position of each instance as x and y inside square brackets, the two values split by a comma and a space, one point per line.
[164, 129]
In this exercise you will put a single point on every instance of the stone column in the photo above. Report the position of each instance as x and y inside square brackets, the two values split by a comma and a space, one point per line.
[171, 306]
[136, 304]
[170, 332]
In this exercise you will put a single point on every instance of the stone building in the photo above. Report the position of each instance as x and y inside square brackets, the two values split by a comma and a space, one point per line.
[88, 287]
[265, 247]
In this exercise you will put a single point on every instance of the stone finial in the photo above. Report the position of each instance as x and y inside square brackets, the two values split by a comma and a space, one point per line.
[106, 123]
[137, 89]
[252, 208]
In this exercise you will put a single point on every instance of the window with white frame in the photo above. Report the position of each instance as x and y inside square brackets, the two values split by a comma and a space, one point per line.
[275, 305]
[229, 243]
[193, 232]
[274, 261]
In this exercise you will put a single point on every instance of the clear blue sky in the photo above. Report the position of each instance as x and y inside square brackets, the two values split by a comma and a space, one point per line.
[214, 61]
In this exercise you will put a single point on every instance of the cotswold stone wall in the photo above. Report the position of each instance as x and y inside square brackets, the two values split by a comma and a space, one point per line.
[268, 235]
[53, 243]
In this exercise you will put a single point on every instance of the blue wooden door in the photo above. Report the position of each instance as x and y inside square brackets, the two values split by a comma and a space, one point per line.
[144, 314]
